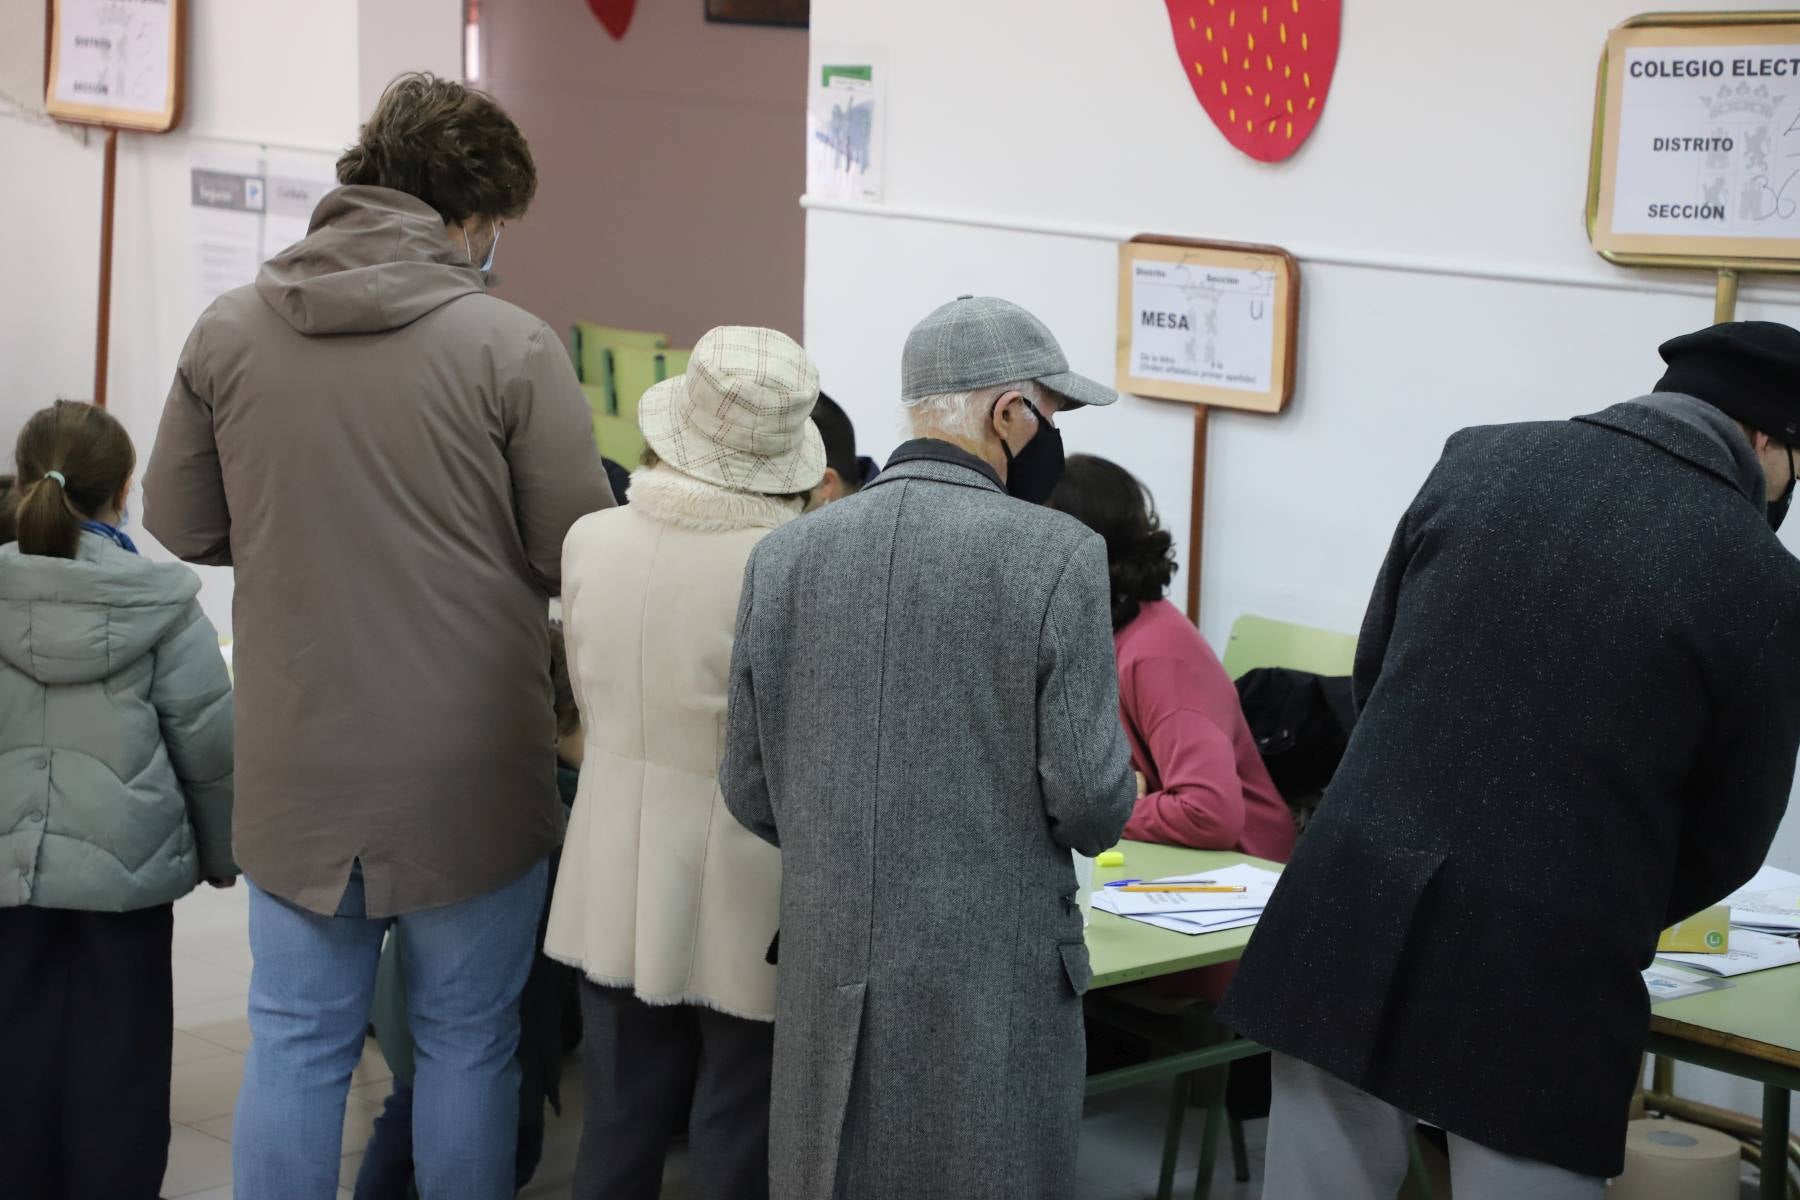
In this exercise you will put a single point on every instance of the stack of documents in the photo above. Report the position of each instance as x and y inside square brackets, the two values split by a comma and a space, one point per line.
[1765, 919]
[1751, 950]
[1769, 902]
[1195, 912]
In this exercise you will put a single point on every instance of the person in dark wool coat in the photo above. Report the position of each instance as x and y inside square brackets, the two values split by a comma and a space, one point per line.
[926, 740]
[1579, 684]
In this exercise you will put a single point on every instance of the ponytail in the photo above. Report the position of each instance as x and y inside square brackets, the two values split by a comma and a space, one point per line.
[73, 461]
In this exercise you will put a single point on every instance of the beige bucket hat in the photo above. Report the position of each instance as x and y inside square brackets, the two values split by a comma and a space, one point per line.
[741, 417]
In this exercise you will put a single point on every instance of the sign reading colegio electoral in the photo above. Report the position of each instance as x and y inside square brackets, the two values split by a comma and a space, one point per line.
[1699, 150]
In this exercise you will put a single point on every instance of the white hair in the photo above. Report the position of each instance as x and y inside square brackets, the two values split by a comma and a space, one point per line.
[963, 414]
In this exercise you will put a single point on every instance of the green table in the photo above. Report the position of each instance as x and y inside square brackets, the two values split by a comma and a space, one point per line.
[1751, 1030]
[1124, 951]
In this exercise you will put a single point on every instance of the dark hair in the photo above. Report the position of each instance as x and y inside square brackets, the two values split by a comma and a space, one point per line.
[1140, 554]
[91, 451]
[451, 146]
[9, 507]
[568, 717]
[840, 441]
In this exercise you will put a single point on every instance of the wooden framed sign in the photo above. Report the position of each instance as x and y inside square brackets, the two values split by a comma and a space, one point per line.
[1210, 323]
[1696, 154]
[117, 63]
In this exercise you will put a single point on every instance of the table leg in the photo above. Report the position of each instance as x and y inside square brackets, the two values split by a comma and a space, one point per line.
[1775, 1142]
[1178, 1098]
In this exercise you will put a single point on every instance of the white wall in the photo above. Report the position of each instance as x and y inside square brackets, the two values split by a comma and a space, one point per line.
[308, 96]
[1437, 211]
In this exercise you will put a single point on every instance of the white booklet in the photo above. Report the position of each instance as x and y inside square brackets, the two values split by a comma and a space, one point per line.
[1751, 950]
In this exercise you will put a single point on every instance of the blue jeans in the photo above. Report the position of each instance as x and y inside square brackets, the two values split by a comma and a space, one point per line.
[310, 990]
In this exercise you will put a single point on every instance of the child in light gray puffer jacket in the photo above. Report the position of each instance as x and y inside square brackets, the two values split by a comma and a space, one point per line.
[115, 801]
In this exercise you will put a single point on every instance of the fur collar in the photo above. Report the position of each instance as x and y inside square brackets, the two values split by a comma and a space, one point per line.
[671, 498]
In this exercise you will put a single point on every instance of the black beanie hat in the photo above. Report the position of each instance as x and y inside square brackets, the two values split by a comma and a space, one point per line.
[1749, 370]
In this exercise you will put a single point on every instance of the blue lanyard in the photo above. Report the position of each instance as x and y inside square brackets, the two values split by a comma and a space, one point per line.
[116, 536]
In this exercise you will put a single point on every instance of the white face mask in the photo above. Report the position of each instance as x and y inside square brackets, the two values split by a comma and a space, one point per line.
[493, 249]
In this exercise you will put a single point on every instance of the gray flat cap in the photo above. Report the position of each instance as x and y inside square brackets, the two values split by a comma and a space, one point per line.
[978, 341]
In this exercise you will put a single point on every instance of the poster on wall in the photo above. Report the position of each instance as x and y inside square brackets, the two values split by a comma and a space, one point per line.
[248, 205]
[1697, 143]
[116, 62]
[1208, 322]
[845, 109]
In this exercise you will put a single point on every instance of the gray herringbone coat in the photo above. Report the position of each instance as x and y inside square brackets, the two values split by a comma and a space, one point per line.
[924, 716]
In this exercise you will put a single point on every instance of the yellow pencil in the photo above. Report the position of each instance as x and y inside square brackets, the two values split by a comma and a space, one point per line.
[1179, 887]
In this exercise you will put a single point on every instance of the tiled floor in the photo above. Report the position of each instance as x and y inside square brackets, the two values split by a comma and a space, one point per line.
[1121, 1142]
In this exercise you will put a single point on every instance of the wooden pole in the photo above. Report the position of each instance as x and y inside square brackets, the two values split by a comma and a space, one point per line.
[1197, 516]
[1725, 304]
[103, 326]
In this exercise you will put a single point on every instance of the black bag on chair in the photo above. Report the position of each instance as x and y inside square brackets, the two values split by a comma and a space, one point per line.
[1301, 722]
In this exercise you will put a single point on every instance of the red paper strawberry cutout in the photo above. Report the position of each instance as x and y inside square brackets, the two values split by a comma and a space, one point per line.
[614, 14]
[1261, 68]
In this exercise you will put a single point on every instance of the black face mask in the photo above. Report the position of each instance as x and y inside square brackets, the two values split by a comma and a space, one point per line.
[1033, 473]
[1778, 509]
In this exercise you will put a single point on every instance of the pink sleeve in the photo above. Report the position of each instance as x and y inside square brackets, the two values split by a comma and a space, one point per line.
[1200, 803]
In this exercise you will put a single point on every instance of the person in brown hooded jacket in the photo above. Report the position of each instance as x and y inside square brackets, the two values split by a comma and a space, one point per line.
[388, 457]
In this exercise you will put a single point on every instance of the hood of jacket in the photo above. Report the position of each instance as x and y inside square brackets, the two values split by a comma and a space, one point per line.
[374, 260]
[80, 620]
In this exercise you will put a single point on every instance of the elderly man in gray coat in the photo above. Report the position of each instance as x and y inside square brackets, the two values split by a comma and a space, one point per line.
[927, 740]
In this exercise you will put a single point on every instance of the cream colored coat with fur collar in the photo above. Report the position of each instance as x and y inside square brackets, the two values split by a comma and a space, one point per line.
[661, 889]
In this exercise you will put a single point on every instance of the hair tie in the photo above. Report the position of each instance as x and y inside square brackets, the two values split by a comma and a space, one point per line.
[58, 476]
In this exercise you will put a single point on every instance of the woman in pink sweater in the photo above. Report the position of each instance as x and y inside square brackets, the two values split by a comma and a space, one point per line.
[1203, 779]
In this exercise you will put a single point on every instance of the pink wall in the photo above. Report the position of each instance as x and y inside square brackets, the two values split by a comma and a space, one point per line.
[670, 166]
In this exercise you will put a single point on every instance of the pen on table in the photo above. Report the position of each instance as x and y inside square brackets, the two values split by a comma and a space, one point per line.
[1176, 887]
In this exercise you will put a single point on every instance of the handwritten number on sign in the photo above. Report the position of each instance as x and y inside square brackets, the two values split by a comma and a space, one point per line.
[1778, 203]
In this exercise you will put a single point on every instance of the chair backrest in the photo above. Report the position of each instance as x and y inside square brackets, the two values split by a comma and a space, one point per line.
[1261, 642]
[618, 437]
[589, 343]
[670, 363]
[634, 372]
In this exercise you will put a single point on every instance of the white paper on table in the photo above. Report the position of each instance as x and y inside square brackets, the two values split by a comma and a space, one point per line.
[1670, 982]
[1194, 928]
[1258, 885]
[1751, 950]
[1770, 901]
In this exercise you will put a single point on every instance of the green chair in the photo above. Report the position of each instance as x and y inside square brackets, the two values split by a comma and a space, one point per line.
[1170, 1025]
[1262, 642]
[1259, 642]
[618, 437]
[670, 363]
[589, 343]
